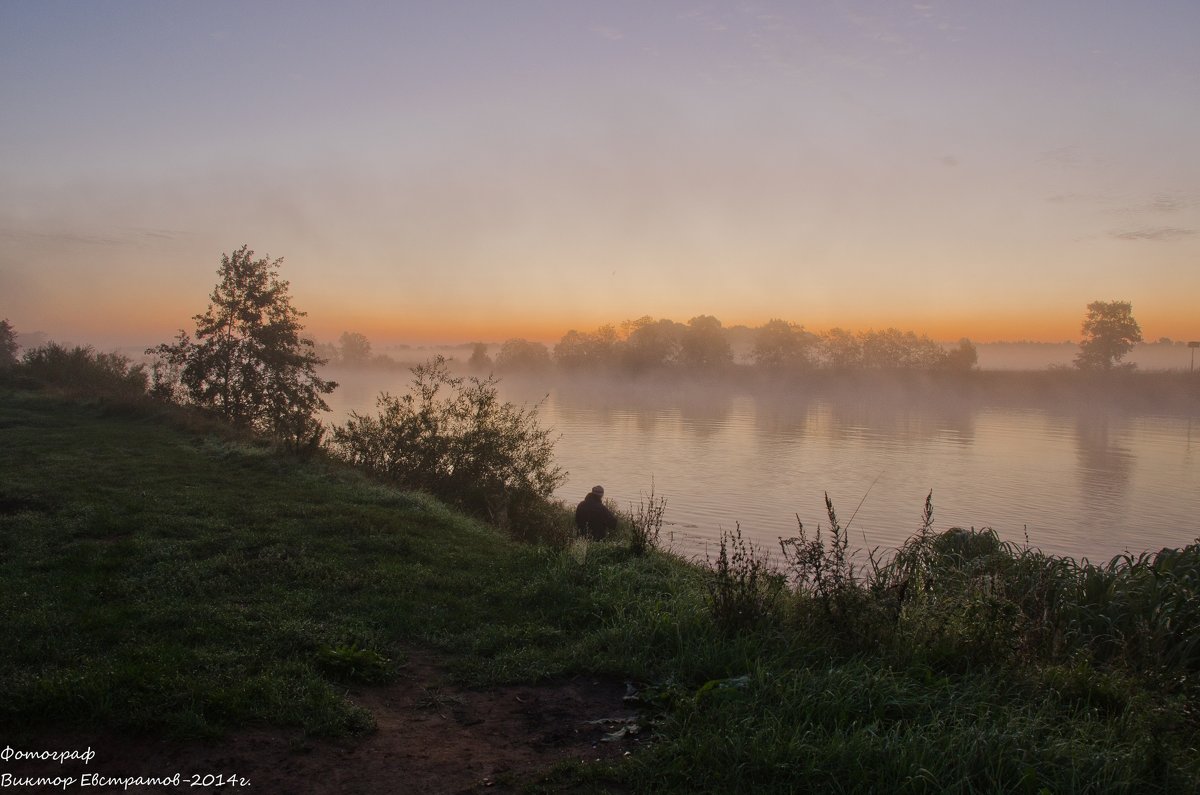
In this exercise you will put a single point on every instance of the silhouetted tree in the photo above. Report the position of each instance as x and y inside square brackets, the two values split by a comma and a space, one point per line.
[248, 361]
[479, 360]
[355, 349]
[650, 344]
[8, 345]
[521, 355]
[591, 351]
[1109, 332]
[780, 345]
[740, 337]
[962, 358]
[328, 351]
[840, 349]
[703, 346]
[571, 352]
[894, 349]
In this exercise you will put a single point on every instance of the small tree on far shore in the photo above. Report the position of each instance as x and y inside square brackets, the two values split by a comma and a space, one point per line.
[479, 357]
[780, 345]
[1109, 332]
[248, 361]
[961, 359]
[355, 348]
[522, 355]
[703, 345]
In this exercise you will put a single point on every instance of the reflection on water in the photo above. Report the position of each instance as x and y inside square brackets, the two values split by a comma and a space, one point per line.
[1083, 482]
[1105, 469]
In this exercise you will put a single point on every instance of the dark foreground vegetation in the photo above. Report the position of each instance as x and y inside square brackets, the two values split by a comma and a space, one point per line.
[167, 573]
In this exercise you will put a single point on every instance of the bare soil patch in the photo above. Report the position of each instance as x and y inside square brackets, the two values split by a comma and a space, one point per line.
[431, 737]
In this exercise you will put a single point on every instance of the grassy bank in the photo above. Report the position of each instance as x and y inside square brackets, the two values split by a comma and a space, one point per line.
[160, 575]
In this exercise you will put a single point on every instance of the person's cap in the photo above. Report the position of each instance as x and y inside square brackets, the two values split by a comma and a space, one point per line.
[598, 491]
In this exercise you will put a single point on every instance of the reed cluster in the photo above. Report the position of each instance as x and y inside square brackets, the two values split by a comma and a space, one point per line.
[963, 597]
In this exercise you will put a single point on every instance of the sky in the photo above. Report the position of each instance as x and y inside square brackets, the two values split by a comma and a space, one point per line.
[437, 172]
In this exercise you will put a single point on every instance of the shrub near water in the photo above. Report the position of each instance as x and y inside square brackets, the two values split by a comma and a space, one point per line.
[454, 438]
[645, 521]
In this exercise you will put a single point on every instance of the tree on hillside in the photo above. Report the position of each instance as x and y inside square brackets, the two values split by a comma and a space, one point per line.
[248, 361]
[1109, 332]
[8, 345]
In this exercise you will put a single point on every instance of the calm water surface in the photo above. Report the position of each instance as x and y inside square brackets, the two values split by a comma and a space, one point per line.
[1077, 480]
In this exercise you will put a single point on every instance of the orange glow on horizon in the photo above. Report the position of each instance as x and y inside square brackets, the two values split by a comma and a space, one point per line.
[436, 328]
[148, 323]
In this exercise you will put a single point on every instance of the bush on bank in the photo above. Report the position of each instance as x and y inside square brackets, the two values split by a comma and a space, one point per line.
[454, 438]
[81, 371]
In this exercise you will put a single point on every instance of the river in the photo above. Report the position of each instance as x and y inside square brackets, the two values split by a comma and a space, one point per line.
[1071, 477]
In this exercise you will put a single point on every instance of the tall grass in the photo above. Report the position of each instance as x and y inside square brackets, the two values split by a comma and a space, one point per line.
[743, 588]
[963, 598]
[645, 523]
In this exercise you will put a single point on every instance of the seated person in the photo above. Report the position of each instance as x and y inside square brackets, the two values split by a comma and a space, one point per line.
[593, 518]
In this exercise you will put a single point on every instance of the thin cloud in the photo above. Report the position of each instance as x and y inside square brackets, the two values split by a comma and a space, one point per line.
[1157, 204]
[1062, 156]
[705, 19]
[117, 237]
[1160, 234]
[1070, 198]
[156, 234]
[73, 238]
[608, 32]
[1166, 203]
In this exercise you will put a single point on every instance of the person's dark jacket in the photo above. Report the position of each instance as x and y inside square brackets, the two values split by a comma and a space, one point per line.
[593, 519]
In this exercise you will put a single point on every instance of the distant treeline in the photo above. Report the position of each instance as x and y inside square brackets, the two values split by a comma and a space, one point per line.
[702, 344]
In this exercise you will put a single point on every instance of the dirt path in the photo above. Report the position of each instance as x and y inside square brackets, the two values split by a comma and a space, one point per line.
[431, 738]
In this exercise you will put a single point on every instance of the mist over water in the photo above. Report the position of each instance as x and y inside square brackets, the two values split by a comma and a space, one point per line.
[1076, 477]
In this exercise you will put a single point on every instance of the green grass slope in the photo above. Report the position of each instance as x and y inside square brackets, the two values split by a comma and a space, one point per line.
[153, 578]
[159, 576]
